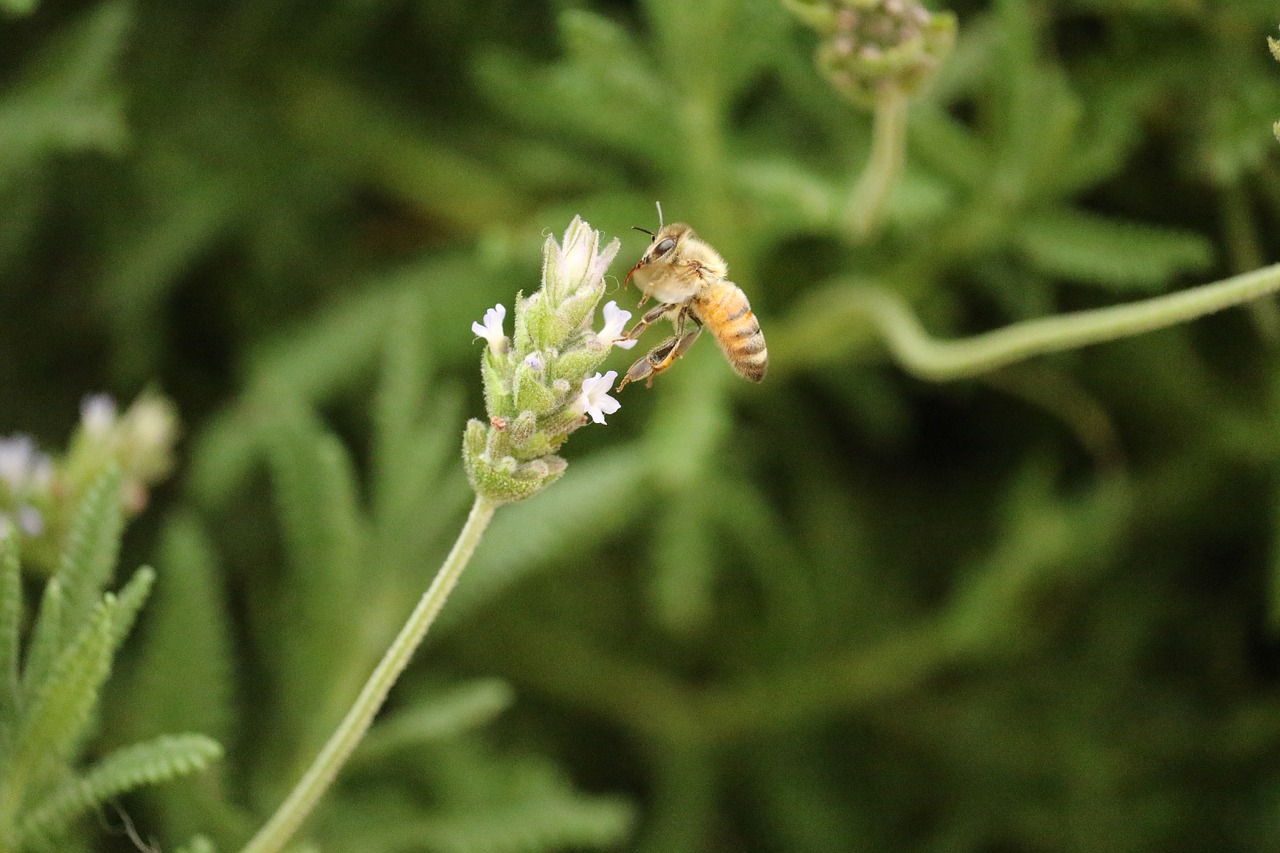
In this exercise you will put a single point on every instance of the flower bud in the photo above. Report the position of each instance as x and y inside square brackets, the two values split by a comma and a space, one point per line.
[870, 44]
[529, 390]
[536, 385]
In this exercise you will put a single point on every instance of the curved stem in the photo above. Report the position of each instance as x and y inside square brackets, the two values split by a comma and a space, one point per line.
[888, 154]
[304, 796]
[936, 360]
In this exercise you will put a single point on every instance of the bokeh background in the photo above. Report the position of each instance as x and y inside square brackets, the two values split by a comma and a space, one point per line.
[844, 610]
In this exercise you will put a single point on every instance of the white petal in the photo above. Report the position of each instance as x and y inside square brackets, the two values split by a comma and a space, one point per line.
[98, 414]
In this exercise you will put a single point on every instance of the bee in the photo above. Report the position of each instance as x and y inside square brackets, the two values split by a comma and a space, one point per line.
[687, 277]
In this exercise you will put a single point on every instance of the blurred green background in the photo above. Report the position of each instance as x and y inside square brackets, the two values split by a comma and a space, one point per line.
[844, 610]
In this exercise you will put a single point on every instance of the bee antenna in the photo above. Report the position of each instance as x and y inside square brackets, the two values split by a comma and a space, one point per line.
[659, 206]
[641, 230]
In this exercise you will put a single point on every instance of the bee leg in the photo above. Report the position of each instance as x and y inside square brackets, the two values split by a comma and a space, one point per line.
[661, 357]
[650, 317]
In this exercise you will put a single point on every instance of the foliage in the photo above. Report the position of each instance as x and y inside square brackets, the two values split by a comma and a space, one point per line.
[47, 705]
[843, 610]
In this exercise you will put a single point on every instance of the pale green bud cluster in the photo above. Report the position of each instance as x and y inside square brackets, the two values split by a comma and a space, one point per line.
[868, 45]
[39, 493]
[538, 386]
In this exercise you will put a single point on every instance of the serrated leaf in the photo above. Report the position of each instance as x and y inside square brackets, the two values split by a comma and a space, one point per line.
[66, 102]
[437, 717]
[46, 637]
[10, 626]
[182, 680]
[583, 509]
[490, 803]
[949, 148]
[1115, 254]
[605, 89]
[130, 767]
[59, 710]
[716, 46]
[422, 493]
[129, 601]
[542, 823]
[316, 497]
[401, 397]
[92, 549]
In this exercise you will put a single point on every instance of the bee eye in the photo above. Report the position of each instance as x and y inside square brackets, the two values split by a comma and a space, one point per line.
[663, 247]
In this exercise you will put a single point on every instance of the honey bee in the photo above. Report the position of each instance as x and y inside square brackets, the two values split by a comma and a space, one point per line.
[687, 277]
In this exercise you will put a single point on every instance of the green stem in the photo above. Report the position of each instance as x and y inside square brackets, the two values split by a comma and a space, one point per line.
[936, 360]
[888, 154]
[304, 796]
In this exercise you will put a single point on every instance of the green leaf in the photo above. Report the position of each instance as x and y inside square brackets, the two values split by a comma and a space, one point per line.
[431, 171]
[10, 626]
[401, 397]
[484, 802]
[415, 485]
[66, 101]
[129, 601]
[436, 718]
[46, 637]
[685, 563]
[314, 652]
[316, 499]
[604, 90]
[716, 46]
[92, 549]
[59, 710]
[598, 500]
[182, 680]
[130, 767]
[1114, 254]
[950, 148]
[18, 8]
[548, 821]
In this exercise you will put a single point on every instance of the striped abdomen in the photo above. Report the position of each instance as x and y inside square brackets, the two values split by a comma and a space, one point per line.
[723, 308]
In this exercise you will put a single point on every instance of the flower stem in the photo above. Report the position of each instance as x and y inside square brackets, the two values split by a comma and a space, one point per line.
[304, 796]
[928, 358]
[888, 154]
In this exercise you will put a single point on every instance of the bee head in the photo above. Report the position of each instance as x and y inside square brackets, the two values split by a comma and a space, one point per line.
[662, 245]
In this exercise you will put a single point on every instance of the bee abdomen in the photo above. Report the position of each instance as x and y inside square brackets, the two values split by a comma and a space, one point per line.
[725, 311]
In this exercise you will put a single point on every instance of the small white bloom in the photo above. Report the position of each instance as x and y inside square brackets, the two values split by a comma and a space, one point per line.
[615, 320]
[595, 400]
[533, 361]
[97, 414]
[491, 329]
[17, 457]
